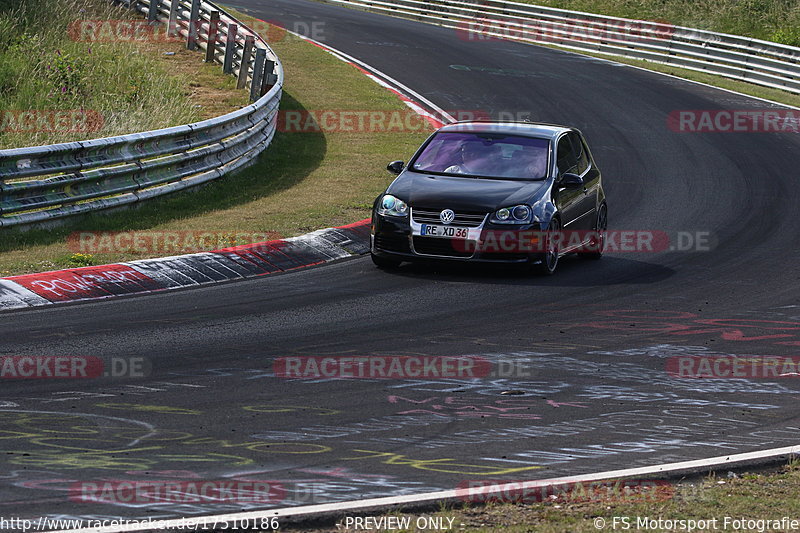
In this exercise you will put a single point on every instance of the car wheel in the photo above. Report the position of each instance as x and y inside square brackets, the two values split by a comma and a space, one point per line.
[549, 262]
[385, 262]
[598, 243]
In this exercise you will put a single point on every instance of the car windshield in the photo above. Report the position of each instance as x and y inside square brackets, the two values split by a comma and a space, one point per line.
[488, 155]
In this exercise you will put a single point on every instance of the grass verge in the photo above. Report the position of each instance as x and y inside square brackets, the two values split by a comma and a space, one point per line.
[772, 20]
[304, 181]
[749, 496]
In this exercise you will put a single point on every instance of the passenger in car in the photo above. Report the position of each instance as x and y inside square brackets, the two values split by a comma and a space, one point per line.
[528, 164]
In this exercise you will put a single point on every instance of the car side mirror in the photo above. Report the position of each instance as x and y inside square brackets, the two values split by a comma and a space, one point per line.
[395, 167]
[571, 181]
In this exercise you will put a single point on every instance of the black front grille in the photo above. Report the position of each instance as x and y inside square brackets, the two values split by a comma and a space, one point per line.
[443, 247]
[469, 219]
[392, 243]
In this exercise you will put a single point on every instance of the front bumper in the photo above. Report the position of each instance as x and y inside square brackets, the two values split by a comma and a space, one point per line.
[392, 237]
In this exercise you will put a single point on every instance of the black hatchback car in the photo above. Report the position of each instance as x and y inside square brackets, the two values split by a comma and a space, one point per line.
[493, 192]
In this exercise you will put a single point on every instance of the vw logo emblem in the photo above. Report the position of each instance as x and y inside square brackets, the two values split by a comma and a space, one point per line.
[447, 216]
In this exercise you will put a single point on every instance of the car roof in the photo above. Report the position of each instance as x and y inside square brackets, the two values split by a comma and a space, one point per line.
[529, 129]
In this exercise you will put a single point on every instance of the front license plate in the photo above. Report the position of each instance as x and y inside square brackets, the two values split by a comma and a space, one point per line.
[449, 232]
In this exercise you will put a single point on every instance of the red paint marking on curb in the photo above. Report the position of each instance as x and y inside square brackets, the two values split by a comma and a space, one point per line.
[86, 282]
[365, 222]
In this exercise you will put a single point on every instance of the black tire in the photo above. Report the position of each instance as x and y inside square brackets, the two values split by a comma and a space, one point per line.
[598, 243]
[385, 263]
[547, 266]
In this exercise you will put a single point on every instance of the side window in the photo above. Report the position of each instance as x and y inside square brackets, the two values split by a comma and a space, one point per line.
[581, 157]
[565, 156]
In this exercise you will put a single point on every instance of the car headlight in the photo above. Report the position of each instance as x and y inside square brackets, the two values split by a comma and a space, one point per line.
[518, 214]
[392, 206]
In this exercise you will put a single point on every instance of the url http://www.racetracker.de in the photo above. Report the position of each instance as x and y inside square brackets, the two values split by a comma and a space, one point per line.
[208, 523]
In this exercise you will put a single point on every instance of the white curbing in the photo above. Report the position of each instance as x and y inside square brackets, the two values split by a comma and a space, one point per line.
[190, 270]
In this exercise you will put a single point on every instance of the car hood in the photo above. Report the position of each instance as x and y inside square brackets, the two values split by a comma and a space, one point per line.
[468, 194]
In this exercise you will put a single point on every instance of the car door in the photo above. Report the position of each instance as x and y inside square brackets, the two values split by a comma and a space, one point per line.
[568, 201]
[591, 182]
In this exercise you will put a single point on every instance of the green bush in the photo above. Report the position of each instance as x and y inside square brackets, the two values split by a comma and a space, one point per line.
[788, 35]
[64, 74]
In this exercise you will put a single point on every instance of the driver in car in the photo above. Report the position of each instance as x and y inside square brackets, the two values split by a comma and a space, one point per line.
[475, 158]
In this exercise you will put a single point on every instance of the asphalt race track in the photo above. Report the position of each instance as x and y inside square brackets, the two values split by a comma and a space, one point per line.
[586, 351]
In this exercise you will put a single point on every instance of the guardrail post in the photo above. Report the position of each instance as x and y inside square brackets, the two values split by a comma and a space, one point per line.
[194, 25]
[230, 48]
[269, 78]
[244, 66]
[258, 70]
[213, 32]
[172, 28]
[152, 12]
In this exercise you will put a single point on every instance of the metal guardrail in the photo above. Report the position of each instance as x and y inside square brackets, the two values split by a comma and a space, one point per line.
[761, 62]
[47, 182]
